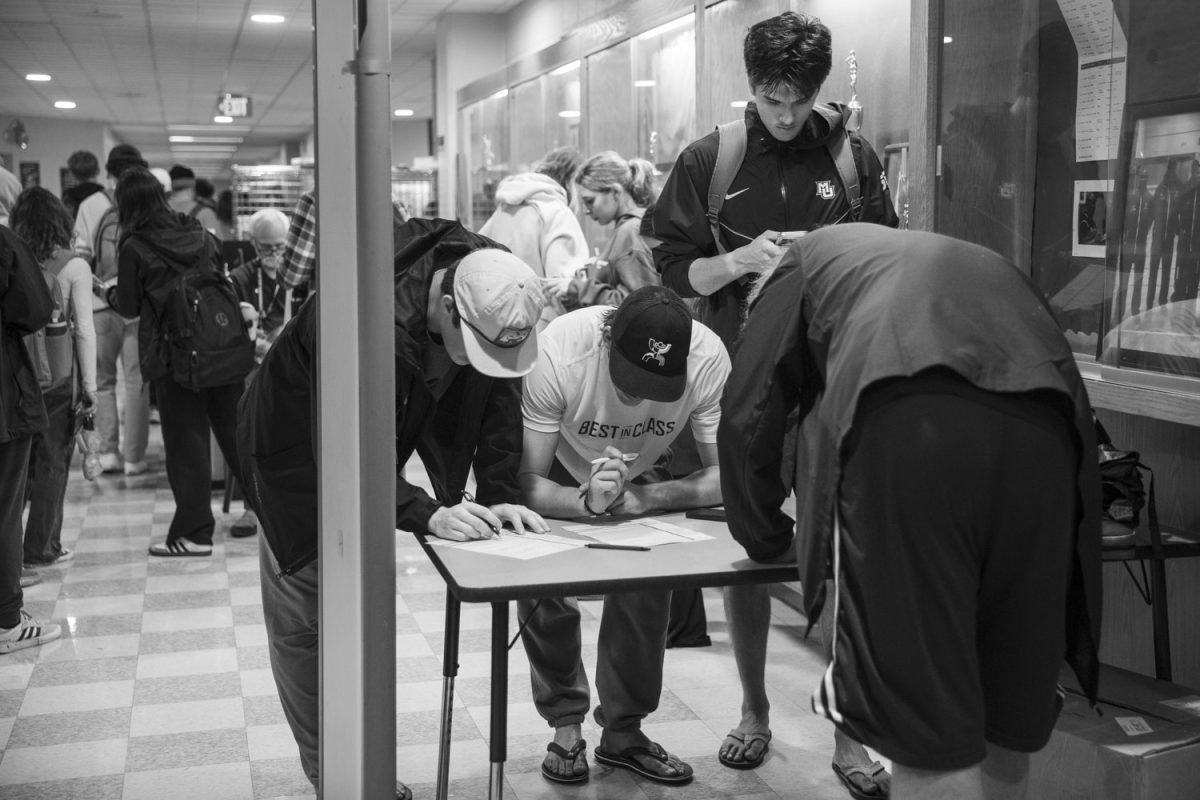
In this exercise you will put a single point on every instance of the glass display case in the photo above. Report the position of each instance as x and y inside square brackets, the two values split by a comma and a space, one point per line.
[1152, 277]
[484, 147]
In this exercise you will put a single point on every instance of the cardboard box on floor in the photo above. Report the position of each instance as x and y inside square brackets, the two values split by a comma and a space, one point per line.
[1144, 745]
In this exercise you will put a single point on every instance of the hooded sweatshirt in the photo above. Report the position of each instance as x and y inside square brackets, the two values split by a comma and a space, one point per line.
[149, 260]
[535, 222]
[781, 186]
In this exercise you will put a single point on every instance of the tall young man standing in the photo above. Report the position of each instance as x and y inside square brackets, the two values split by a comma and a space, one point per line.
[788, 181]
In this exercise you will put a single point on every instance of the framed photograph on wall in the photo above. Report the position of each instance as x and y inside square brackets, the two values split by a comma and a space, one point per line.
[31, 174]
[1154, 262]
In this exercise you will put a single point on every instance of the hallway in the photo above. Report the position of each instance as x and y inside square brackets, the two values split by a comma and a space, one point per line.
[161, 688]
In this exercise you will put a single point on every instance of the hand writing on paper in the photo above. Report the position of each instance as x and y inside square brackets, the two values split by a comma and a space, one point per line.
[467, 520]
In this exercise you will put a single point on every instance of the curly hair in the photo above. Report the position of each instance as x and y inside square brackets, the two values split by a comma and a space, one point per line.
[42, 221]
[789, 50]
[607, 169]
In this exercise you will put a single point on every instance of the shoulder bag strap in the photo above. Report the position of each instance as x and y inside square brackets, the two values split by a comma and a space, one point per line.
[731, 149]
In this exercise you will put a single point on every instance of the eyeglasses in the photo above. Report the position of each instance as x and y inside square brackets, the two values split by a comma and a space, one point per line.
[270, 249]
[509, 337]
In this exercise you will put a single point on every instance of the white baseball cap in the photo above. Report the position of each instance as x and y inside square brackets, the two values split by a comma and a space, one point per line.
[500, 300]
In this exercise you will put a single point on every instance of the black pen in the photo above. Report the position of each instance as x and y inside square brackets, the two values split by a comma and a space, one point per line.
[603, 546]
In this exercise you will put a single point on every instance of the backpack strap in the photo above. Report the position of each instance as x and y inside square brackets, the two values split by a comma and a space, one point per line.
[843, 158]
[195, 210]
[731, 149]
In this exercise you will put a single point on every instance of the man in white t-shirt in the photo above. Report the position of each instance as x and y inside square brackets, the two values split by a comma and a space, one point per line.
[610, 392]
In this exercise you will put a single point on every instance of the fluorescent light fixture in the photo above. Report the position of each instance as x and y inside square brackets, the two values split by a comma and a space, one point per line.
[947, 39]
[206, 128]
[566, 69]
[568, 114]
[645, 84]
[739, 103]
[686, 19]
[403, 112]
[206, 139]
[266, 19]
[204, 148]
[64, 103]
[499, 95]
[37, 76]
[221, 119]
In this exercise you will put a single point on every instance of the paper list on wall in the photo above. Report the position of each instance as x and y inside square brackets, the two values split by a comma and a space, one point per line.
[1100, 99]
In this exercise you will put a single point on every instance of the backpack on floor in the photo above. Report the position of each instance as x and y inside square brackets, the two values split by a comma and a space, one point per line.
[201, 326]
[52, 348]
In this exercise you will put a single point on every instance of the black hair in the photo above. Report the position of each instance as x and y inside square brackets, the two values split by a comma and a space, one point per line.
[204, 188]
[140, 199]
[448, 289]
[42, 221]
[790, 50]
[83, 165]
[225, 206]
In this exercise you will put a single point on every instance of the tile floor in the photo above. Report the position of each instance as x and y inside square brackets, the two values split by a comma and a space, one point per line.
[160, 686]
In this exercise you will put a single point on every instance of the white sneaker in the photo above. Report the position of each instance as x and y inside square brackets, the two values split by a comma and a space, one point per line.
[66, 555]
[27, 633]
[135, 467]
[110, 462]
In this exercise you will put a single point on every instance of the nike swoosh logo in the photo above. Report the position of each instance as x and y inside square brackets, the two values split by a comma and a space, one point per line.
[732, 195]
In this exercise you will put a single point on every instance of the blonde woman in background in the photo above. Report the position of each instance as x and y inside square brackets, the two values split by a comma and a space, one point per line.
[613, 190]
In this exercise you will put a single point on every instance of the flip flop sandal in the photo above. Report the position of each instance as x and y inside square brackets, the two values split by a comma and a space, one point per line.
[868, 771]
[576, 752]
[625, 760]
[747, 739]
[180, 547]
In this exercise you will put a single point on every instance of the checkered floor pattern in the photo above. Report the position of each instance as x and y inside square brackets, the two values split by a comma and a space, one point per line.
[160, 686]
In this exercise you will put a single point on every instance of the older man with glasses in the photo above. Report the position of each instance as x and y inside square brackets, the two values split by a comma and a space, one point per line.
[256, 282]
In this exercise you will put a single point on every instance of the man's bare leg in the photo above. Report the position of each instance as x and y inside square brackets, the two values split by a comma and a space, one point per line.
[1003, 775]
[748, 610]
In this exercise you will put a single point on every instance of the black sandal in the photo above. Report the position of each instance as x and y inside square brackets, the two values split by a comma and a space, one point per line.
[570, 756]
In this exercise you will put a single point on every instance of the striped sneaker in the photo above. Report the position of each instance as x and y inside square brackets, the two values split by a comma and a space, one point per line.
[27, 633]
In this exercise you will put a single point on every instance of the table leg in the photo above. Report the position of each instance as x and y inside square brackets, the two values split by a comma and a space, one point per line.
[449, 672]
[1162, 623]
[498, 746]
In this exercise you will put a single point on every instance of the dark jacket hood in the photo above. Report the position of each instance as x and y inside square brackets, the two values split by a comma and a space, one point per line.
[175, 237]
[825, 122]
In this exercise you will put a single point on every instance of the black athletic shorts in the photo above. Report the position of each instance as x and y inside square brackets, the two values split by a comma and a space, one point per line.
[956, 525]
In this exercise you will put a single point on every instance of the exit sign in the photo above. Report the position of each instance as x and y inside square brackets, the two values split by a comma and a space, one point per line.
[233, 105]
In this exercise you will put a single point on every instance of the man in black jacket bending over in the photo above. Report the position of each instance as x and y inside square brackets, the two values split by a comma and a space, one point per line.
[947, 491]
[465, 317]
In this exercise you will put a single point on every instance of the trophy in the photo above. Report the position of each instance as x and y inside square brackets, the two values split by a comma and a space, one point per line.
[856, 109]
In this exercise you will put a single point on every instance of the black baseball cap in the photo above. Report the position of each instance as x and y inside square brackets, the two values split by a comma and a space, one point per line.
[651, 339]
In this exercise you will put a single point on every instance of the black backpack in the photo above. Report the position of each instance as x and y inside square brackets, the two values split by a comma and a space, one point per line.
[205, 339]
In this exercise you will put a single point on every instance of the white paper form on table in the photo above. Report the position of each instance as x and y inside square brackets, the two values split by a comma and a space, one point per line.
[645, 532]
[511, 545]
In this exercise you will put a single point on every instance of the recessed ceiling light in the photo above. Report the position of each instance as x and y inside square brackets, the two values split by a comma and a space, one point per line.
[223, 120]
[645, 84]
[739, 103]
[64, 103]
[181, 138]
[37, 76]
[947, 39]
[568, 114]
[499, 95]
[266, 19]
[403, 112]
[566, 69]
